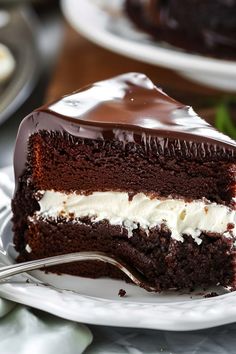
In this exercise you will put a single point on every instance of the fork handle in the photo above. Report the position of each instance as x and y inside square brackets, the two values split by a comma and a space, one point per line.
[14, 269]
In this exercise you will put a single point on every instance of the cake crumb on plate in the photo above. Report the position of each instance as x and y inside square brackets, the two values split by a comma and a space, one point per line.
[122, 293]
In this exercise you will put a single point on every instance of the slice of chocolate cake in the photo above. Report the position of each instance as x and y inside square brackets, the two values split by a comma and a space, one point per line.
[122, 168]
[204, 26]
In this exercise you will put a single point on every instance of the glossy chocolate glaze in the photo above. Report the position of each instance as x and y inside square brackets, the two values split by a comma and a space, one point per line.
[125, 108]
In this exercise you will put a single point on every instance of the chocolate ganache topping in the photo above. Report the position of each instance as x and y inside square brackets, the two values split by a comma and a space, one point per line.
[124, 108]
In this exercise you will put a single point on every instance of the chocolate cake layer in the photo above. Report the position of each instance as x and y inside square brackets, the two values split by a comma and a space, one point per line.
[163, 261]
[66, 163]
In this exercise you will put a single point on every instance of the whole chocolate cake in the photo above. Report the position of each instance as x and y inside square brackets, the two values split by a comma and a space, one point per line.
[122, 168]
[205, 26]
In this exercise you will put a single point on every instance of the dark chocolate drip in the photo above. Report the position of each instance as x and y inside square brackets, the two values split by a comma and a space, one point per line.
[121, 108]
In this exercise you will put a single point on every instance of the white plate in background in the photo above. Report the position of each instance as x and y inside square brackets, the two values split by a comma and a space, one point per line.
[104, 23]
[19, 34]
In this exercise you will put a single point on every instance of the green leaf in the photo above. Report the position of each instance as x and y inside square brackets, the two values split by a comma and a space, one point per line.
[223, 120]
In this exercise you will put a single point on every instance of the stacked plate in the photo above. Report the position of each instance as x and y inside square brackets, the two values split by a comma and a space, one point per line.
[105, 23]
[19, 59]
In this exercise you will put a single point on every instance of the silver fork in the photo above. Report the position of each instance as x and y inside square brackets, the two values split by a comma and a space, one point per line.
[136, 277]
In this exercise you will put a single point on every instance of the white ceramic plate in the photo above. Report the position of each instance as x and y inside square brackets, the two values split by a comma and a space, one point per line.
[25, 50]
[104, 22]
[97, 301]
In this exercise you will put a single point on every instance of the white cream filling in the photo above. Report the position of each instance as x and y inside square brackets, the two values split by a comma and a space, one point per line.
[179, 216]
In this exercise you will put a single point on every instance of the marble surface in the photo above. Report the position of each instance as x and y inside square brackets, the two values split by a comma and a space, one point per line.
[220, 340]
